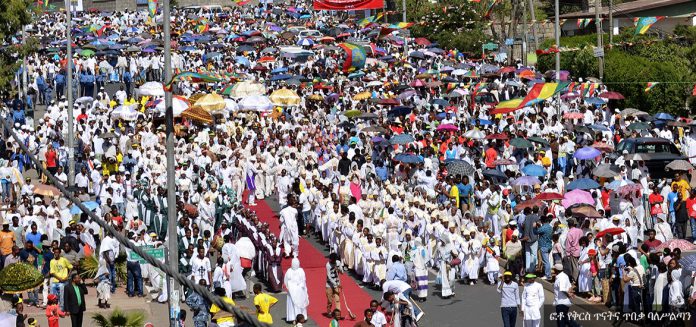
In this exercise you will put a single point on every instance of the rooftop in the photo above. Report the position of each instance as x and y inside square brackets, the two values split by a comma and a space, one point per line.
[626, 8]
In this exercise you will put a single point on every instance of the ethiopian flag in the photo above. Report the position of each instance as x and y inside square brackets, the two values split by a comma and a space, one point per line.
[643, 24]
[541, 92]
[507, 106]
[650, 86]
[371, 19]
[355, 56]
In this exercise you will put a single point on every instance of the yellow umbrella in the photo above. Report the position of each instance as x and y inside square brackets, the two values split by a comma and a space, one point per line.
[198, 114]
[362, 96]
[315, 97]
[247, 88]
[211, 102]
[285, 97]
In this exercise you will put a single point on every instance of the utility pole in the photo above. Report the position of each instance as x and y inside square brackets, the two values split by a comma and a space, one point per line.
[25, 86]
[600, 46]
[524, 33]
[557, 36]
[611, 22]
[403, 19]
[534, 30]
[71, 117]
[172, 244]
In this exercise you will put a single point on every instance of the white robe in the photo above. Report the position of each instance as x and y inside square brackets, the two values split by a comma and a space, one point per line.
[296, 283]
[532, 301]
[289, 232]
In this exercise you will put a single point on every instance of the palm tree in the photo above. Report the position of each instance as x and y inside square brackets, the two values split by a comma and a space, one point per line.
[118, 318]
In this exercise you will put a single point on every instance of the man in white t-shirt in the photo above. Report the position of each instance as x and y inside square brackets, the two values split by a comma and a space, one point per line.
[200, 267]
[562, 293]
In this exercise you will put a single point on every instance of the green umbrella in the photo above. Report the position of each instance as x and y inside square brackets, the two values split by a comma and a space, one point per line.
[539, 140]
[520, 143]
[87, 53]
[227, 90]
[352, 113]
[638, 126]
[19, 277]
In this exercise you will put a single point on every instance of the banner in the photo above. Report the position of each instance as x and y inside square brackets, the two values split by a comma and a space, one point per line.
[347, 4]
[643, 24]
[152, 8]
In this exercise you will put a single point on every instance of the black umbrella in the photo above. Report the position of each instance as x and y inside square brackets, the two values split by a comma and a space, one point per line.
[417, 55]
[460, 167]
[494, 173]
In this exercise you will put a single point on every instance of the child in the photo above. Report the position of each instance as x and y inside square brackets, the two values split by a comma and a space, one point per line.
[595, 286]
[182, 318]
[492, 267]
[299, 320]
[263, 303]
[336, 314]
[53, 312]
[32, 322]
[556, 249]
[19, 310]
[103, 285]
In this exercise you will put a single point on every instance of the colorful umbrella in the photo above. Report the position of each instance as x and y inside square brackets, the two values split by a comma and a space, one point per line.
[587, 153]
[447, 127]
[526, 181]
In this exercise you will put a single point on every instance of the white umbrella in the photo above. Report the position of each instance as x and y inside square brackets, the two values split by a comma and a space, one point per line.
[245, 248]
[475, 134]
[179, 104]
[84, 99]
[256, 103]
[458, 72]
[247, 88]
[374, 83]
[130, 113]
[151, 89]
[231, 105]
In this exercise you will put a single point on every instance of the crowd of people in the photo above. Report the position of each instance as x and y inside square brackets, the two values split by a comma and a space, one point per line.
[401, 168]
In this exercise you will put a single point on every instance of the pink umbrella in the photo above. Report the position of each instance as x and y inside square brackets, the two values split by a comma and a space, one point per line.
[576, 197]
[447, 127]
[417, 83]
[684, 245]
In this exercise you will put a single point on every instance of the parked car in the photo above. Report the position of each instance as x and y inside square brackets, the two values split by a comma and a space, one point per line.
[656, 152]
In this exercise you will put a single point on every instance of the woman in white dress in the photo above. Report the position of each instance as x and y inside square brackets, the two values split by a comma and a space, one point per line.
[296, 284]
[584, 276]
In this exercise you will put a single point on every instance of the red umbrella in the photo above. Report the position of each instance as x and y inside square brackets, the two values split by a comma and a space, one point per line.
[611, 231]
[389, 102]
[422, 41]
[497, 136]
[417, 83]
[531, 203]
[573, 115]
[549, 196]
[611, 95]
[603, 146]
[508, 69]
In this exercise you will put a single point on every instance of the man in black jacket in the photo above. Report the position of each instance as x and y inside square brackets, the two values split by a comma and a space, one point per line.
[74, 299]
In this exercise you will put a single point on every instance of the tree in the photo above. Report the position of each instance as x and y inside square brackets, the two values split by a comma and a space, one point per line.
[457, 24]
[118, 318]
[14, 14]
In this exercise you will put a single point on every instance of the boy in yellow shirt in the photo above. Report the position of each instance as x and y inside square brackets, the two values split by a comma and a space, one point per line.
[59, 270]
[263, 303]
[222, 318]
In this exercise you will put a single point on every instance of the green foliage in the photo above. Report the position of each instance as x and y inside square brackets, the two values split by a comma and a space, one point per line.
[90, 265]
[633, 61]
[118, 318]
[457, 24]
[13, 14]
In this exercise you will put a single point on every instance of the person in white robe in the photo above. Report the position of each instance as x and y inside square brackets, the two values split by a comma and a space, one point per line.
[532, 300]
[296, 284]
[234, 280]
[289, 232]
[659, 287]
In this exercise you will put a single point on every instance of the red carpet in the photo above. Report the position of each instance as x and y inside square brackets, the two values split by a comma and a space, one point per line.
[314, 264]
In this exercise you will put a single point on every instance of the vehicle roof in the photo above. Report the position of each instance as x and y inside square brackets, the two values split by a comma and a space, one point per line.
[647, 140]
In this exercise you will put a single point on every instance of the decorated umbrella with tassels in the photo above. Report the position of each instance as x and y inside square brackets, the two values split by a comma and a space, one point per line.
[20, 277]
[198, 114]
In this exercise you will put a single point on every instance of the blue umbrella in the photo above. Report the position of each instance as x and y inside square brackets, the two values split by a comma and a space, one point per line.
[482, 121]
[595, 101]
[91, 205]
[494, 173]
[688, 262]
[408, 158]
[440, 102]
[399, 111]
[582, 184]
[402, 139]
[305, 42]
[279, 70]
[587, 153]
[244, 61]
[280, 77]
[534, 170]
[664, 116]
[599, 127]
[306, 16]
